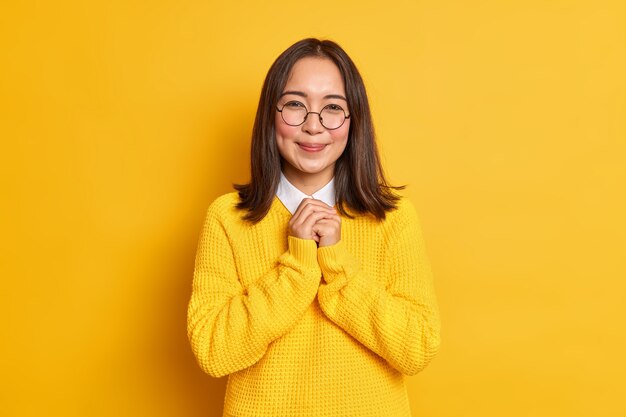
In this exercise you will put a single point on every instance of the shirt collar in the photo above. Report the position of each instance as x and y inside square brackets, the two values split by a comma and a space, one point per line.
[291, 197]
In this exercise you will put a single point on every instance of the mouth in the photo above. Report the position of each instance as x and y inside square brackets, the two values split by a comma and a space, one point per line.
[312, 147]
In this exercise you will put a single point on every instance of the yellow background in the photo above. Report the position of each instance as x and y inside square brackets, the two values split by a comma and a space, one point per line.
[121, 121]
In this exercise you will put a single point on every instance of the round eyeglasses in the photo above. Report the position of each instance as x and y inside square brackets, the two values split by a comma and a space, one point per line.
[294, 113]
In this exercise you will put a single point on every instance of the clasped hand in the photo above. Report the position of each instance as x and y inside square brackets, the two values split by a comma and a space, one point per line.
[316, 220]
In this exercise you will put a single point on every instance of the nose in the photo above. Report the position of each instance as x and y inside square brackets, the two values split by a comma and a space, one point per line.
[312, 124]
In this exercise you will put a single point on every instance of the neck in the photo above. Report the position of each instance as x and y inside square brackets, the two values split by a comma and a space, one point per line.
[308, 183]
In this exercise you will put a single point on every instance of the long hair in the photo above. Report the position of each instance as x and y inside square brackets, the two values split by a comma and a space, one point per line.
[360, 184]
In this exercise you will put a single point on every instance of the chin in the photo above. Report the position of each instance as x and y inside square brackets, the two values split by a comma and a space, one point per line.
[312, 169]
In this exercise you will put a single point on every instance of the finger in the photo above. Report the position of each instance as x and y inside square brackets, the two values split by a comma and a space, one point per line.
[333, 220]
[302, 205]
[304, 215]
[330, 219]
[310, 202]
[314, 200]
[302, 227]
[313, 218]
[305, 209]
[322, 229]
[335, 215]
[326, 226]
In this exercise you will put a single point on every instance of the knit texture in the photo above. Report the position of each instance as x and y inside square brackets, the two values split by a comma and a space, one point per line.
[307, 331]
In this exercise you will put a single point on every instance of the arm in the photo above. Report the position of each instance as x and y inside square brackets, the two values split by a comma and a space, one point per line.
[229, 326]
[398, 321]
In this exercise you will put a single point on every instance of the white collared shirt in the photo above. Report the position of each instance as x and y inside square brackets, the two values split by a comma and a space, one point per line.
[291, 197]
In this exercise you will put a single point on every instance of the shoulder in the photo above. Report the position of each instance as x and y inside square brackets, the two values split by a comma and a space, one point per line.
[225, 201]
[404, 214]
[403, 221]
[224, 208]
[403, 226]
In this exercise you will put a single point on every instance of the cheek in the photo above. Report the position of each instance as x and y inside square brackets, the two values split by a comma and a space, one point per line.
[284, 131]
[340, 135]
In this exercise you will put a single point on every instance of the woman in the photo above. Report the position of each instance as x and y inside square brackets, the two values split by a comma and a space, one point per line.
[312, 289]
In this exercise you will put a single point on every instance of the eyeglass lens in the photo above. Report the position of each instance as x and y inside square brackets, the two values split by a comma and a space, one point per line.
[331, 117]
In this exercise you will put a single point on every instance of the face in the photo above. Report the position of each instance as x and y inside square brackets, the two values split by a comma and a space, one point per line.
[309, 151]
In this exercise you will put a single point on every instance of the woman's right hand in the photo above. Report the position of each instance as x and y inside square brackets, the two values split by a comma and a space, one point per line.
[306, 215]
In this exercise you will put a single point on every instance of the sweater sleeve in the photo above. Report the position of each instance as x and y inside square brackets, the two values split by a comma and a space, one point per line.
[229, 326]
[398, 320]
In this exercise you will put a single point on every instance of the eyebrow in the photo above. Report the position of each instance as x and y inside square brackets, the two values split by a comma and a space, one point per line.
[301, 94]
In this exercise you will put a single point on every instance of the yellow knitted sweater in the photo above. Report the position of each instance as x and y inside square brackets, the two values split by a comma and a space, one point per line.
[308, 331]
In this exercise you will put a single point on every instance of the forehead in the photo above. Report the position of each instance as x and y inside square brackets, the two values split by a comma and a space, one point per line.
[314, 75]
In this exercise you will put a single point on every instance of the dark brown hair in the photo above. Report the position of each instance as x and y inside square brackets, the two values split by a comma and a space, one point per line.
[360, 184]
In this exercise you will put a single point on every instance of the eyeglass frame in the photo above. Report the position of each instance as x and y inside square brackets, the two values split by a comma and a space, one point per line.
[345, 117]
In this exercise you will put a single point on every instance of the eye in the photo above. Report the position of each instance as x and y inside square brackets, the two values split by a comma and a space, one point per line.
[335, 108]
[294, 104]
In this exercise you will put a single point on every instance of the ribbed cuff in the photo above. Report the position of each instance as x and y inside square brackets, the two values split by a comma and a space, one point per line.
[303, 250]
[332, 258]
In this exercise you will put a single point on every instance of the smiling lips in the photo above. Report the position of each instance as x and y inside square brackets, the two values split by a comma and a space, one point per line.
[312, 147]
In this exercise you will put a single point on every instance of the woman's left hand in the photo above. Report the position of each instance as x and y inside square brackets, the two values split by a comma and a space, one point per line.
[328, 230]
